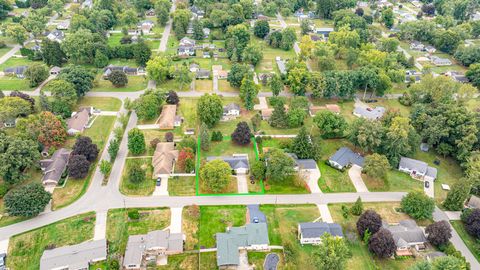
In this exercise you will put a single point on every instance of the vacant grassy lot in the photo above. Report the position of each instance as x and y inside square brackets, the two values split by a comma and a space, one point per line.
[361, 257]
[472, 243]
[181, 186]
[187, 261]
[135, 83]
[268, 63]
[102, 103]
[396, 181]
[190, 225]
[204, 85]
[215, 219]
[120, 226]
[25, 250]
[333, 180]
[100, 130]
[14, 83]
[144, 188]
[225, 86]
[16, 61]
[208, 261]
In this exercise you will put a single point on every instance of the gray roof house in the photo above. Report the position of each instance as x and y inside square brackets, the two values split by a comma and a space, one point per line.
[473, 202]
[152, 244]
[369, 113]
[406, 235]
[54, 166]
[17, 71]
[202, 74]
[438, 61]
[231, 110]
[310, 232]
[345, 157]
[56, 35]
[303, 164]
[253, 236]
[238, 163]
[417, 169]
[74, 257]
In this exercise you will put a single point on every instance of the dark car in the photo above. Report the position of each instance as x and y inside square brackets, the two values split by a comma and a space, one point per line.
[427, 184]
[3, 256]
[159, 181]
[256, 220]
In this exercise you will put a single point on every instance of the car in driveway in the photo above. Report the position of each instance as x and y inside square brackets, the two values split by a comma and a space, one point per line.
[427, 184]
[3, 262]
[159, 182]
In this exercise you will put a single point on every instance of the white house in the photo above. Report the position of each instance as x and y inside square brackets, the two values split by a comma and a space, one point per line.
[417, 169]
[310, 233]
[231, 110]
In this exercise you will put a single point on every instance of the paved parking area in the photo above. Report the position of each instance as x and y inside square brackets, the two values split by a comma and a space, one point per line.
[355, 174]
[430, 191]
[176, 219]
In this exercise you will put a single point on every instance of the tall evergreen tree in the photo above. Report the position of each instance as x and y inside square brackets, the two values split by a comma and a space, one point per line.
[279, 116]
[302, 145]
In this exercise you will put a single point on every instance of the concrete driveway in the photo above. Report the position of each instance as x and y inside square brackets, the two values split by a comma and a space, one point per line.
[162, 189]
[355, 174]
[325, 213]
[4, 245]
[430, 191]
[262, 104]
[243, 265]
[312, 180]
[242, 183]
[100, 225]
[176, 219]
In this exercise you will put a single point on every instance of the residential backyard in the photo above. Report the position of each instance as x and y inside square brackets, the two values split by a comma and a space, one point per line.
[144, 188]
[135, 83]
[102, 103]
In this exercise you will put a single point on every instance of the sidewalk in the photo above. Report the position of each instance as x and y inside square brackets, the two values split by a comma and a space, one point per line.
[100, 226]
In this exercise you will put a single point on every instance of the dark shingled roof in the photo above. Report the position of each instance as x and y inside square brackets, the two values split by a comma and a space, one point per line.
[344, 156]
[317, 229]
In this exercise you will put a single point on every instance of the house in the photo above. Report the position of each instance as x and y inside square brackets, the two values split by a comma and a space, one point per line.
[253, 236]
[324, 31]
[412, 75]
[186, 47]
[430, 49]
[189, 131]
[63, 25]
[54, 167]
[194, 67]
[416, 45]
[310, 233]
[197, 12]
[203, 74]
[145, 26]
[457, 76]
[222, 74]
[164, 158]
[18, 71]
[56, 35]
[167, 117]
[55, 70]
[424, 147]
[125, 69]
[281, 65]
[147, 248]
[231, 110]
[238, 162]
[407, 235]
[79, 121]
[303, 164]
[345, 157]
[206, 54]
[369, 113]
[264, 77]
[79, 256]
[185, 41]
[313, 110]
[255, 215]
[417, 169]
[150, 12]
[206, 32]
[473, 202]
[438, 61]
[316, 38]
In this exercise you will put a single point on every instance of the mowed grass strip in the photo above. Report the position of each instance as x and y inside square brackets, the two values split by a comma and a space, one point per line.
[215, 219]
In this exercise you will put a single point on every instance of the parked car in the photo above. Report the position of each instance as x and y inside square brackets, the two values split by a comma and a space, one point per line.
[427, 184]
[159, 182]
[255, 220]
[3, 263]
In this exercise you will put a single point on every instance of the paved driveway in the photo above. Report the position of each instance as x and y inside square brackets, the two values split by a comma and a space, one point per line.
[242, 183]
[325, 213]
[176, 219]
[243, 265]
[100, 225]
[355, 174]
[162, 189]
[4, 245]
[430, 191]
[312, 180]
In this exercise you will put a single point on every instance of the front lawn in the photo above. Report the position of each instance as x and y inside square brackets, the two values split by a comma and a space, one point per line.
[186, 261]
[26, 249]
[135, 83]
[228, 148]
[396, 181]
[291, 185]
[181, 186]
[120, 226]
[225, 86]
[100, 130]
[15, 62]
[144, 188]
[10, 83]
[215, 219]
[204, 85]
[472, 243]
[102, 103]
[208, 261]
[231, 188]
[190, 225]
[333, 180]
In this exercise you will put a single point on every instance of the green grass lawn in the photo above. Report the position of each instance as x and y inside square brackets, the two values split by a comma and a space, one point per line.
[25, 250]
[225, 86]
[135, 83]
[3, 51]
[114, 39]
[333, 180]
[16, 61]
[396, 181]
[181, 186]
[120, 226]
[187, 261]
[228, 148]
[100, 130]
[208, 261]
[14, 83]
[190, 226]
[268, 63]
[472, 243]
[361, 257]
[204, 85]
[215, 219]
[102, 103]
[282, 230]
[144, 188]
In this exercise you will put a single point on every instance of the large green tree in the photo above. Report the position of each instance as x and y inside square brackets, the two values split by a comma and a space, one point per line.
[136, 141]
[210, 109]
[52, 53]
[215, 175]
[16, 155]
[248, 92]
[280, 166]
[418, 205]
[149, 104]
[302, 145]
[80, 46]
[160, 68]
[36, 74]
[80, 77]
[27, 201]
[332, 253]
[331, 125]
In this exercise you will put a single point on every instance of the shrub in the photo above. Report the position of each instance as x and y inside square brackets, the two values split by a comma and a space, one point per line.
[217, 136]
[418, 205]
[370, 221]
[382, 244]
[242, 134]
[3, 190]
[133, 214]
[169, 137]
[357, 208]
[136, 174]
[439, 233]
[472, 223]
[154, 142]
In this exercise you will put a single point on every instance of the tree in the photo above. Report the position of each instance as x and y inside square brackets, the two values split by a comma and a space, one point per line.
[376, 166]
[344, 37]
[16, 155]
[280, 166]
[236, 39]
[401, 140]
[80, 77]
[62, 90]
[159, 69]
[289, 36]
[388, 17]
[128, 17]
[298, 79]
[418, 205]
[172, 97]
[258, 169]
[305, 26]
[13, 107]
[210, 109]
[78, 166]
[215, 175]
[204, 137]
[439, 233]
[101, 60]
[261, 28]
[382, 244]
[85, 147]
[473, 74]
[183, 76]
[118, 78]
[332, 253]
[142, 53]
[197, 29]
[149, 104]
[5, 7]
[448, 262]
[25, 97]
[181, 19]
[36, 74]
[428, 9]
[472, 223]
[457, 195]
[52, 53]
[279, 116]
[169, 137]
[45, 127]
[248, 92]
[252, 54]
[331, 125]
[136, 141]
[217, 136]
[136, 174]
[369, 221]
[242, 135]
[27, 201]
[325, 8]
[113, 149]
[276, 84]
[357, 208]
[80, 46]
[237, 73]
[447, 40]
[35, 23]
[15, 31]
[184, 155]
[162, 11]
[302, 145]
